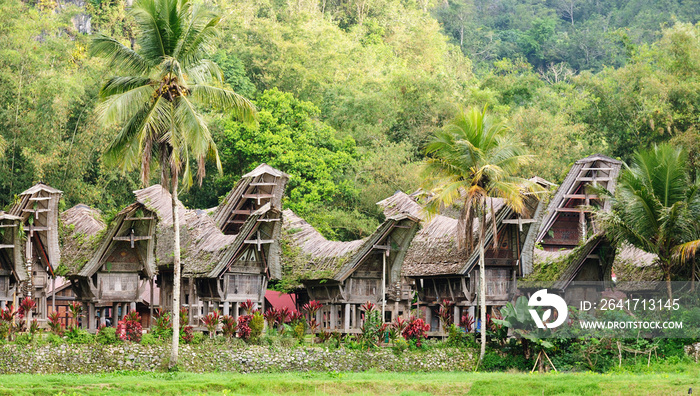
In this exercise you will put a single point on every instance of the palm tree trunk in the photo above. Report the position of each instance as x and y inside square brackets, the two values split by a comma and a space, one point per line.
[669, 289]
[176, 272]
[482, 283]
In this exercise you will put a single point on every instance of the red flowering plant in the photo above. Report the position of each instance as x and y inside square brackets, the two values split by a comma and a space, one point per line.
[186, 331]
[445, 313]
[466, 323]
[244, 326]
[271, 316]
[415, 331]
[76, 309]
[283, 316]
[248, 307]
[163, 327]
[396, 328]
[229, 326]
[211, 322]
[311, 308]
[373, 327]
[6, 326]
[25, 307]
[129, 329]
[55, 324]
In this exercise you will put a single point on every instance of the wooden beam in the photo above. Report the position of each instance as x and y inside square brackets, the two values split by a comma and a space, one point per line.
[35, 210]
[516, 221]
[39, 198]
[573, 210]
[236, 221]
[129, 238]
[263, 184]
[268, 220]
[582, 196]
[594, 178]
[7, 246]
[242, 211]
[137, 218]
[596, 169]
[7, 225]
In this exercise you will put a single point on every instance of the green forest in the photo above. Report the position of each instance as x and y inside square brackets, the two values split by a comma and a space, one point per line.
[348, 92]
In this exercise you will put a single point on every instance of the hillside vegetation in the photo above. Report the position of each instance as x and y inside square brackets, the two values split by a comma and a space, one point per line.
[348, 91]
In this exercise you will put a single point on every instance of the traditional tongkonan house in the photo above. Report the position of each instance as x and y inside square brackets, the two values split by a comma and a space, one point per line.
[12, 269]
[38, 210]
[109, 267]
[573, 257]
[344, 275]
[229, 253]
[439, 270]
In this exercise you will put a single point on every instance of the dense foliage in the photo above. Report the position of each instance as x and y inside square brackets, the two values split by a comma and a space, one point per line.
[349, 92]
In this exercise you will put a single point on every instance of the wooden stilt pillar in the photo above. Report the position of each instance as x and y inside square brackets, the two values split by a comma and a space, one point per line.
[346, 326]
[457, 315]
[132, 307]
[103, 317]
[150, 306]
[334, 316]
[236, 310]
[91, 317]
[115, 314]
[227, 308]
[429, 317]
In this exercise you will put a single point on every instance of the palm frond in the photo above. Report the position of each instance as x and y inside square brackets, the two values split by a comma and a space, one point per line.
[119, 55]
[224, 99]
[121, 107]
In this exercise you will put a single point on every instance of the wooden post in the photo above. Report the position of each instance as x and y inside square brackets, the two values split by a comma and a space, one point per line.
[471, 315]
[346, 326]
[103, 317]
[353, 316]
[191, 300]
[429, 317]
[334, 316]
[115, 314]
[227, 308]
[395, 314]
[215, 305]
[384, 283]
[150, 306]
[53, 294]
[205, 308]
[457, 315]
[236, 310]
[319, 317]
[91, 316]
[132, 306]
[3, 304]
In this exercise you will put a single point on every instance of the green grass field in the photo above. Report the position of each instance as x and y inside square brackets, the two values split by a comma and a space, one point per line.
[355, 384]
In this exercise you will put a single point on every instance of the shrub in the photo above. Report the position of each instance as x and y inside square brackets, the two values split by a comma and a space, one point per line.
[163, 327]
[23, 339]
[187, 334]
[106, 336]
[415, 330]
[150, 339]
[299, 331]
[34, 327]
[399, 345]
[229, 326]
[248, 307]
[75, 308]
[373, 328]
[76, 335]
[211, 321]
[55, 324]
[257, 324]
[244, 326]
[55, 340]
[129, 329]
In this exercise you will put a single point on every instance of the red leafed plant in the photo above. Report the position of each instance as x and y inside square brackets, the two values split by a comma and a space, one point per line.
[271, 316]
[415, 330]
[211, 321]
[229, 326]
[445, 313]
[283, 315]
[399, 324]
[129, 329]
[311, 308]
[248, 307]
[296, 317]
[184, 316]
[368, 307]
[55, 324]
[26, 306]
[75, 308]
[244, 326]
[466, 323]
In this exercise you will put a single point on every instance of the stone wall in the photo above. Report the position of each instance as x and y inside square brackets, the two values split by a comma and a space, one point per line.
[209, 357]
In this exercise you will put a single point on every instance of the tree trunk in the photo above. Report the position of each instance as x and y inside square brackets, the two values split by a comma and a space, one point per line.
[482, 283]
[176, 272]
[669, 289]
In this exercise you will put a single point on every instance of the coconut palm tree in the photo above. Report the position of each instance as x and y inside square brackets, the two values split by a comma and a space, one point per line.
[471, 160]
[656, 208]
[155, 98]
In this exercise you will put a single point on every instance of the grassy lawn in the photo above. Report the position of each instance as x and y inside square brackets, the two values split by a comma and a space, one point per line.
[676, 383]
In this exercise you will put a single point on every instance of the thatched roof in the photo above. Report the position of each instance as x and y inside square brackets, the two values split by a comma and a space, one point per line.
[206, 250]
[434, 250]
[578, 175]
[310, 256]
[41, 202]
[561, 267]
[81, 232]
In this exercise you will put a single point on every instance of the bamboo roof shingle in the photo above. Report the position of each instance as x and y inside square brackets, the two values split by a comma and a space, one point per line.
[81, 232]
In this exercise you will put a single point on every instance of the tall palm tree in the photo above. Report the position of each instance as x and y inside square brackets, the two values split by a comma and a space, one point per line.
[656, 207]
[155, 97]
[471, 160]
